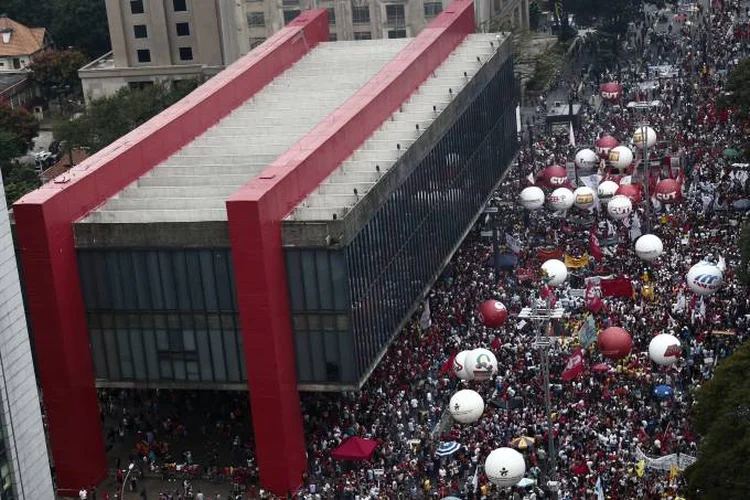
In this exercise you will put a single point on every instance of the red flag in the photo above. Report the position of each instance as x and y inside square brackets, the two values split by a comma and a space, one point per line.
[593, 302]
[574, 366]
[547, 253]
[594, 248]
[448, 366]
[616, 287]
[496, 343]
[548, 292]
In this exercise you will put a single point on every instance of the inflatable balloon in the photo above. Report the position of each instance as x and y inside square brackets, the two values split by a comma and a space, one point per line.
[466, 406]
[586, 159]
[611, 92]
[614, 343]
[605, 144]
[504, 467]
[561, 199]
[606, 191]
[668, 191]
[492, 313]
[531, 198]
[483, 363]
[460, 367]
[664, 349]
[704, 278]
[619, 207]
[632, 191]
[644, 132]
[555, 272]
[584, 197]
[649, 247]
[620, 157]
[554, 176]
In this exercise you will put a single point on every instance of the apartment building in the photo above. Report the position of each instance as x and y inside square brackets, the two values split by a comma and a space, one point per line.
[157, 40]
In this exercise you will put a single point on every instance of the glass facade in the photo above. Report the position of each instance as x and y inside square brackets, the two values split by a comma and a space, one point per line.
[162, 315]
[400, 250]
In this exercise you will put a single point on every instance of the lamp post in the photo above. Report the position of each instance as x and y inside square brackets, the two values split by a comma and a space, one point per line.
[542, 318]
[643, 145]
[122, 489]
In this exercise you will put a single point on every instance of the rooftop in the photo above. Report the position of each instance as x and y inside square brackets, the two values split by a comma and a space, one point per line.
[194, 183]
[355, 177]
[19, 40]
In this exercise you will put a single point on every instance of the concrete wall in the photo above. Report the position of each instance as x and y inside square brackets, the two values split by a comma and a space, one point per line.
[22, 426]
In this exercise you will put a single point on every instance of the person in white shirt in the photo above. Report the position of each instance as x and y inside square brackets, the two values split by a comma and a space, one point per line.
[83, 494]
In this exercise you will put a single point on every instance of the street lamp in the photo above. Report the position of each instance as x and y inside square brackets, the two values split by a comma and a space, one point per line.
[646, 133]
[122, 489]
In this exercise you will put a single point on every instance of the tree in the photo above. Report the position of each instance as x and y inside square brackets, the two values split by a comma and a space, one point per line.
[20, 124]
[722, 418]
[57, 69]
[744, 270]
[81, 24]
[109, 118]
[737, 94]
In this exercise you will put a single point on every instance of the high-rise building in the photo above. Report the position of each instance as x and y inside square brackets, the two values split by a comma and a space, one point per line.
[162, 40]
[24, 462]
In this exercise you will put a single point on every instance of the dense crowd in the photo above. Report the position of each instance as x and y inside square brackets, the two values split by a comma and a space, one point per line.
[603, 422]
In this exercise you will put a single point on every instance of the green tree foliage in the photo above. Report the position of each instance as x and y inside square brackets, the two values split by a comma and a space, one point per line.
[744, 270]
[738, 89]
[722, 418]
[107, 119]
[18, 178]
[20, 124]
[81, 24]
[57, 69]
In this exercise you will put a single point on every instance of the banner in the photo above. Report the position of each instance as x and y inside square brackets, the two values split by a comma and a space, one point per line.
[547, 253]
[425, 320]
[681, 460]
[594, 248]
[587, 332]
[576, 262]
[616, 287]
[593, 301]
[574, 366]
[513, 243]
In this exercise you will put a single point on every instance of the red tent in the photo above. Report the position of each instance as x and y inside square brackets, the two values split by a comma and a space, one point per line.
[355, 448]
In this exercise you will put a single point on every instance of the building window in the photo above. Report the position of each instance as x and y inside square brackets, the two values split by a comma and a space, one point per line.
[186, 53]
[331, 15]
[256, 19]
[394, 15]
[290, 15]
[140, 85]
[254, 42]
[183, 29]
[140, 31]
[332, 36]
[396, 33]
[144, 56]
[179, 5]
[432, 9]
[361, 15]
[136, 7]
[362, 35]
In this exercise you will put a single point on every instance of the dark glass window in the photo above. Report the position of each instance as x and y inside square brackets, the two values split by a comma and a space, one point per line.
[144, 56]
[394, 15]
[179, 5]
[331, 15]
[256, 19]
[183, 29]
[290, 15]
[186, 53]
[432, 9]
[362, 35]
[136, 7]
[140, 31]
[361, 15]
[396, 33]
[332, 36]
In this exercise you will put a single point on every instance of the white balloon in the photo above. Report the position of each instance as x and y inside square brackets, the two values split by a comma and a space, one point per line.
[606, 191]
[555, 271]
[460, 367]
[621, 157]
[586, 159]
[531, 198]
[482, 363]
[619, 207]
[466, 406]
[561, 199]
[649, 247]
[644, 132]
[504, 467]
[585, 197]
[664, 349]
[704, 278]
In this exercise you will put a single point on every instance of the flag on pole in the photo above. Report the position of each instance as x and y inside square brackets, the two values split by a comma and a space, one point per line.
[594, 248]
[587, 332]
[513, 243]
[599, 489]
[572, 138]
[574, 367]
[530, 178]
[475, 480]
[425, 321]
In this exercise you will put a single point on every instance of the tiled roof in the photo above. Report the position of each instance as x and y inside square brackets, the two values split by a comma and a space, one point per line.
[63, 165]
[23, 41]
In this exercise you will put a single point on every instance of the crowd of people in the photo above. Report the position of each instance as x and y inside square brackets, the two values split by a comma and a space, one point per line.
[606, 424]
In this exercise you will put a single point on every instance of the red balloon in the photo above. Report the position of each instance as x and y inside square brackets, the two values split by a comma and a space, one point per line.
[614, 343]
[611, 91]
[554, 176]
[493, 313]
[604, 144]
[632, 191]
[668, 191]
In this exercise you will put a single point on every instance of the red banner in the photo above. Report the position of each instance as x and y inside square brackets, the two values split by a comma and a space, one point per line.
[594, 248]
[547, 253]
[574, 366]
[616, 287]
[593, 302]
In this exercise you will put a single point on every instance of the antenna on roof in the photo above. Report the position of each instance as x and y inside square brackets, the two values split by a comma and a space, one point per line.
[356, 194]
[465, 75]
[479, 59]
